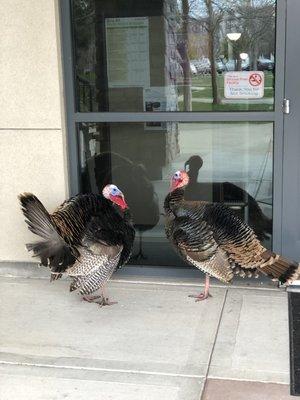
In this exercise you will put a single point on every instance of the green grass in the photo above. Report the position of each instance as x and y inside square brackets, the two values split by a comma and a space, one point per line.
[204, 83]
[205, 80]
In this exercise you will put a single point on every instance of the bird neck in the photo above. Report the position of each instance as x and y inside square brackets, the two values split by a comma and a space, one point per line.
[173, 199]
[127, 215]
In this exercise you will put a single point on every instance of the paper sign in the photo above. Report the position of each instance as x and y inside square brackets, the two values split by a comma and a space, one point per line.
[127, 48]
[244, 85]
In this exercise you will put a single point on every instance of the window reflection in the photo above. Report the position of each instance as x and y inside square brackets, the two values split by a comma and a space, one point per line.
[226, 162]
[172, 55]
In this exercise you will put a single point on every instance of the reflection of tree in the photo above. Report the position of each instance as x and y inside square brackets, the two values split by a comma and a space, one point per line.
[187, 90]
[210, 14]
[256, 22]
[83, 13]
[212, 26]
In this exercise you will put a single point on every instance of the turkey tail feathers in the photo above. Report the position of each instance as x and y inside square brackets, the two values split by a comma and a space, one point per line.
[52, 249]
[280, 268]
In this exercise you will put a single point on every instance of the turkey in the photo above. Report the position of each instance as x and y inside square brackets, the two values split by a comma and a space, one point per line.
[226, 192]
[87, 238]
[125, 173]
[212, 238]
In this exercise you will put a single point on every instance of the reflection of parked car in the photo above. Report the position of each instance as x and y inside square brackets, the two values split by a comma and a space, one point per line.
[193, 69]
[265, 64]
[231, 66]
[202, 65]
[245, 65]
[221, 67]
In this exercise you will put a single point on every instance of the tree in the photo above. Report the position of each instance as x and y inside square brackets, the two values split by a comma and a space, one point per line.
[256, 22]
[210, 14]
[186, 67]
[214, 19]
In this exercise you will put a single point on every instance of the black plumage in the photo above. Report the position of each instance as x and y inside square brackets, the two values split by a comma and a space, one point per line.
[143, 201]
[87, 237]
[215, 240]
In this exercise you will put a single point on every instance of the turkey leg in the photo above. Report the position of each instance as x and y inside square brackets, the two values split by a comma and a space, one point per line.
[203, 295]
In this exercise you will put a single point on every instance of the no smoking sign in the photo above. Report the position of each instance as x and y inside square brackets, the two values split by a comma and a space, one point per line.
[244, 85]
[255, 79]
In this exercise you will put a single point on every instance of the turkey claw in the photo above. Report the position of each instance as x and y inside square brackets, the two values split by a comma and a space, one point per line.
[101, 300]
[200, 296]
[91, 299]
[106, 302]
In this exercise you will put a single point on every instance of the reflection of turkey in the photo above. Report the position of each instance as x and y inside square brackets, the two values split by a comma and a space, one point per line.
[238, 199]
[212, 238]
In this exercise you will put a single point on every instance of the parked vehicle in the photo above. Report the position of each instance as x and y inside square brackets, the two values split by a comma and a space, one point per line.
[221, 67]
[202, 65]
[193, 69]
[231, 66]
[265, 64]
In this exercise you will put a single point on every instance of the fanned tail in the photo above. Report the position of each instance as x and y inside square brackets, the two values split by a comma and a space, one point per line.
[52, 249]
[280, 268]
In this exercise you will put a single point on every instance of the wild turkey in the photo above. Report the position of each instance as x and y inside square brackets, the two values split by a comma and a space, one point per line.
[212, 238]
[87, 238]
[143, 202]
[226, 192]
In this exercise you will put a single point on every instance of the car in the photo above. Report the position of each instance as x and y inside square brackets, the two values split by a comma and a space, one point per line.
[265, 64]
[193, 69]
[231, 66]
[220, 66]
[202, 65]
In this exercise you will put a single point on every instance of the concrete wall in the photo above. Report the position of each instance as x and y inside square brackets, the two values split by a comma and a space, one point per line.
[32, 133]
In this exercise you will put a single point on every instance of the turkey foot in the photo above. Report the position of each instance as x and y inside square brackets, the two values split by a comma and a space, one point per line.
[106, 302]
[205, 294]
[105, 299]
[91, 299]
[200, 296]
[101, 300]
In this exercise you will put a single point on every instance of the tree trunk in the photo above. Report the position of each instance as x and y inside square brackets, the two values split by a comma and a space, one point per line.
[187, 90]
[255, 57]
[211, 52]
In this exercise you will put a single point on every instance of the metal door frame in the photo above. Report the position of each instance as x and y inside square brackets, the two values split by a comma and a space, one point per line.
[276, 116]
[291, 144]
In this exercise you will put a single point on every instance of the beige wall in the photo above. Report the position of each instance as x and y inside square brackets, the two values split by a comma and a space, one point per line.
[32, 134]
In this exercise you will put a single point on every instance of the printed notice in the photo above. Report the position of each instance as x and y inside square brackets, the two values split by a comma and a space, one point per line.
[244, 85]
[127, 51]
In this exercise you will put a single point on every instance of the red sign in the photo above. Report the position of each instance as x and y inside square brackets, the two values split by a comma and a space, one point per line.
[255, 79]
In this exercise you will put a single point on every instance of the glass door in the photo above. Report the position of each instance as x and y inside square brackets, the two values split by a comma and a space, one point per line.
[157, 86]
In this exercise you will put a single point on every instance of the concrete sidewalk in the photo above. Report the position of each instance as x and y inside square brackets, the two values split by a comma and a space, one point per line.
[156, 343]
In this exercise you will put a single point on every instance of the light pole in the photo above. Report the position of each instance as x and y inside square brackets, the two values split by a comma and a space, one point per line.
[232, 37]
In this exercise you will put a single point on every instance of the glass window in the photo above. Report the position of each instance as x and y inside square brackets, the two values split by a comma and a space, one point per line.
[174, 55]
[227, 162]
